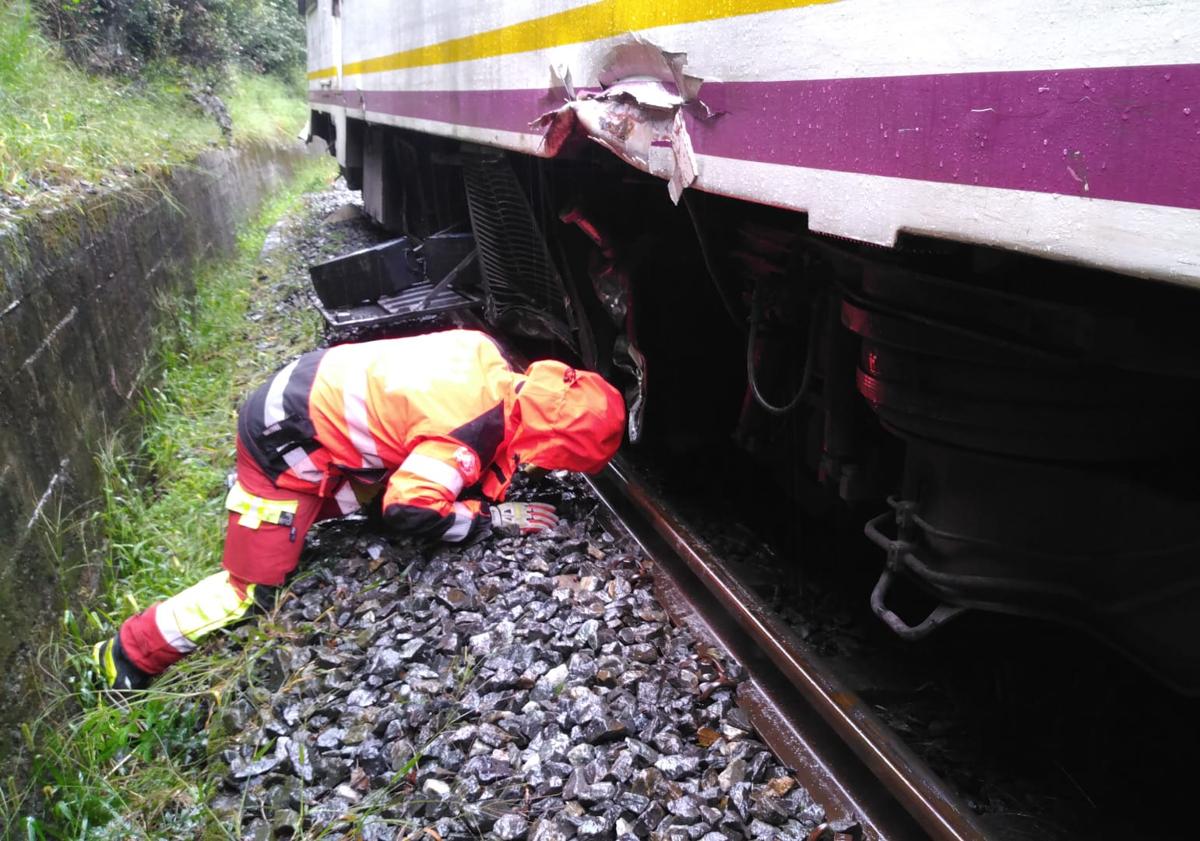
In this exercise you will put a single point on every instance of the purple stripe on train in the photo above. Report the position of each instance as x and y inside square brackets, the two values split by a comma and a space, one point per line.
[504, 110]
[1124, 133]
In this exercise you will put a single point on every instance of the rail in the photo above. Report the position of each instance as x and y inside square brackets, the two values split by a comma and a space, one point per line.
[849, 760]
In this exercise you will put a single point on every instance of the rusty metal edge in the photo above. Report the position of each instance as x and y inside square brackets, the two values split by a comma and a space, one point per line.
[894, 793]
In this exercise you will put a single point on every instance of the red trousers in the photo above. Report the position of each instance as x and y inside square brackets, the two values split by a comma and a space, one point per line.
[268, 554]
[262, 556]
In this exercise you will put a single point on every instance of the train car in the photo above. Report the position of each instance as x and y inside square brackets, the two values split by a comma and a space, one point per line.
[938, 259]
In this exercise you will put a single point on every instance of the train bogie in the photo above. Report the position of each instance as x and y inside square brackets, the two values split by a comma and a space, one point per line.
[936, 263]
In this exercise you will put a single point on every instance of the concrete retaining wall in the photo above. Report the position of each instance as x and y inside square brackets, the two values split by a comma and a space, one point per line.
[77, 292]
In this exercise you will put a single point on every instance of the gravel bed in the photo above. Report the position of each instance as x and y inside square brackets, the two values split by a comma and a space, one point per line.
[1040, 730]
[521, 687]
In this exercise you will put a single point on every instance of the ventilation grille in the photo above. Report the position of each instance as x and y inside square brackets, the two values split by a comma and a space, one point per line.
[524, 291]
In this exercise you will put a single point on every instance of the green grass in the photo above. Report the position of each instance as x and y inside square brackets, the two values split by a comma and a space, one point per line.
[60, 125]
[140, 768]
[266, 107]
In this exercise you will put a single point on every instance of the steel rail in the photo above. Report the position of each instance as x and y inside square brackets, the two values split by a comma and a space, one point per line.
[853, 764]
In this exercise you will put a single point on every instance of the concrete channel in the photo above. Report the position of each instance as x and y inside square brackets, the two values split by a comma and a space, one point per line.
[78, 286]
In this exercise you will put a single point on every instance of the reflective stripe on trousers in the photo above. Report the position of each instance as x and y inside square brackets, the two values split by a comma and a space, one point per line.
[209, 604]
[165, 632]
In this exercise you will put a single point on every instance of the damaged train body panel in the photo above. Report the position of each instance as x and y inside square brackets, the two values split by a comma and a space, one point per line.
[1067, 133]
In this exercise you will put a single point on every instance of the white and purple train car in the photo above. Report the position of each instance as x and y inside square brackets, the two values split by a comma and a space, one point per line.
[936, 257]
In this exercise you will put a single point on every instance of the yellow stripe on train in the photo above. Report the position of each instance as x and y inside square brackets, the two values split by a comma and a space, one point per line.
[602, 19]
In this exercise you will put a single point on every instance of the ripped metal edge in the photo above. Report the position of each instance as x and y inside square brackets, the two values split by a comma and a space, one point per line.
[637, 114]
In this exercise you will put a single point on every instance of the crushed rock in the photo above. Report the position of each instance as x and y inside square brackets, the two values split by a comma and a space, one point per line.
[489, 691]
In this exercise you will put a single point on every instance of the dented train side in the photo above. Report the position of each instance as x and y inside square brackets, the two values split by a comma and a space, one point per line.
[1069, 131]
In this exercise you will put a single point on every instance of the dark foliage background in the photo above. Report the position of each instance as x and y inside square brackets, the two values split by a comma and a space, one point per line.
[209, 36]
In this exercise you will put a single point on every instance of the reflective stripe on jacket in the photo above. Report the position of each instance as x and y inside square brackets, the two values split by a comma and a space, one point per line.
[429, 414]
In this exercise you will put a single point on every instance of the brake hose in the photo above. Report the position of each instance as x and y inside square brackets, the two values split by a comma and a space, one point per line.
[818, 310]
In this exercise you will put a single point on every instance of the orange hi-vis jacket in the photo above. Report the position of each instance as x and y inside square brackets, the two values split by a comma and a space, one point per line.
[431, 415]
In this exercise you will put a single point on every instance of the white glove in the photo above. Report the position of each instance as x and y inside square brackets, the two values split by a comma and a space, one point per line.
[525, 517]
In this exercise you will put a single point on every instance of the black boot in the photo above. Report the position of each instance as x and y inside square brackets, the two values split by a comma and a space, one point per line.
[115, 668]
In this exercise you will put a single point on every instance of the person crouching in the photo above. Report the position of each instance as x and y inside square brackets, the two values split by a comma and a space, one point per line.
[422, 418]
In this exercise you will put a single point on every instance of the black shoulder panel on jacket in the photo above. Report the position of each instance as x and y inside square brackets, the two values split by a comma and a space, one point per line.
[268, 446]
[484, 434]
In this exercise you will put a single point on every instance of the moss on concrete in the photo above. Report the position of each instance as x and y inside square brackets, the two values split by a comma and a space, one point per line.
[78, 318]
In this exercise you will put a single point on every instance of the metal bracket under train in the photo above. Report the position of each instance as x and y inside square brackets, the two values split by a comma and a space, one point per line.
[930, 265]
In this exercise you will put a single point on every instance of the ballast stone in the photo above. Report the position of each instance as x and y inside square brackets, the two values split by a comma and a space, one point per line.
[511, 827]
[579, 720]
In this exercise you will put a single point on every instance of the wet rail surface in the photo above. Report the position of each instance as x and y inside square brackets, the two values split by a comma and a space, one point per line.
[844, 755]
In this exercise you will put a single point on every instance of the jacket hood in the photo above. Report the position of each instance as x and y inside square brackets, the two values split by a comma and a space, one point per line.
[568, 419]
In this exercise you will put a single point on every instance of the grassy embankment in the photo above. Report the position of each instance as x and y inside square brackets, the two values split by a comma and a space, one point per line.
[136, 769]
[60, 126]
[102, 770]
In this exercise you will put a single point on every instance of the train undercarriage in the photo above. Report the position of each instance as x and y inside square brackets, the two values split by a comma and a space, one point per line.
[1015, 434]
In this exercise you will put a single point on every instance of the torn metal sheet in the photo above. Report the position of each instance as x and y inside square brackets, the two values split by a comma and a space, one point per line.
[639, 58]
[638, 115]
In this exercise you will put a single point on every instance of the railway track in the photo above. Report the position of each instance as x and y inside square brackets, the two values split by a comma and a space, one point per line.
[862, 772]
[1012, 756]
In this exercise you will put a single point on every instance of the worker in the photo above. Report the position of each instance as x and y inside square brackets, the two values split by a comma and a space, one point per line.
[420, 418]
